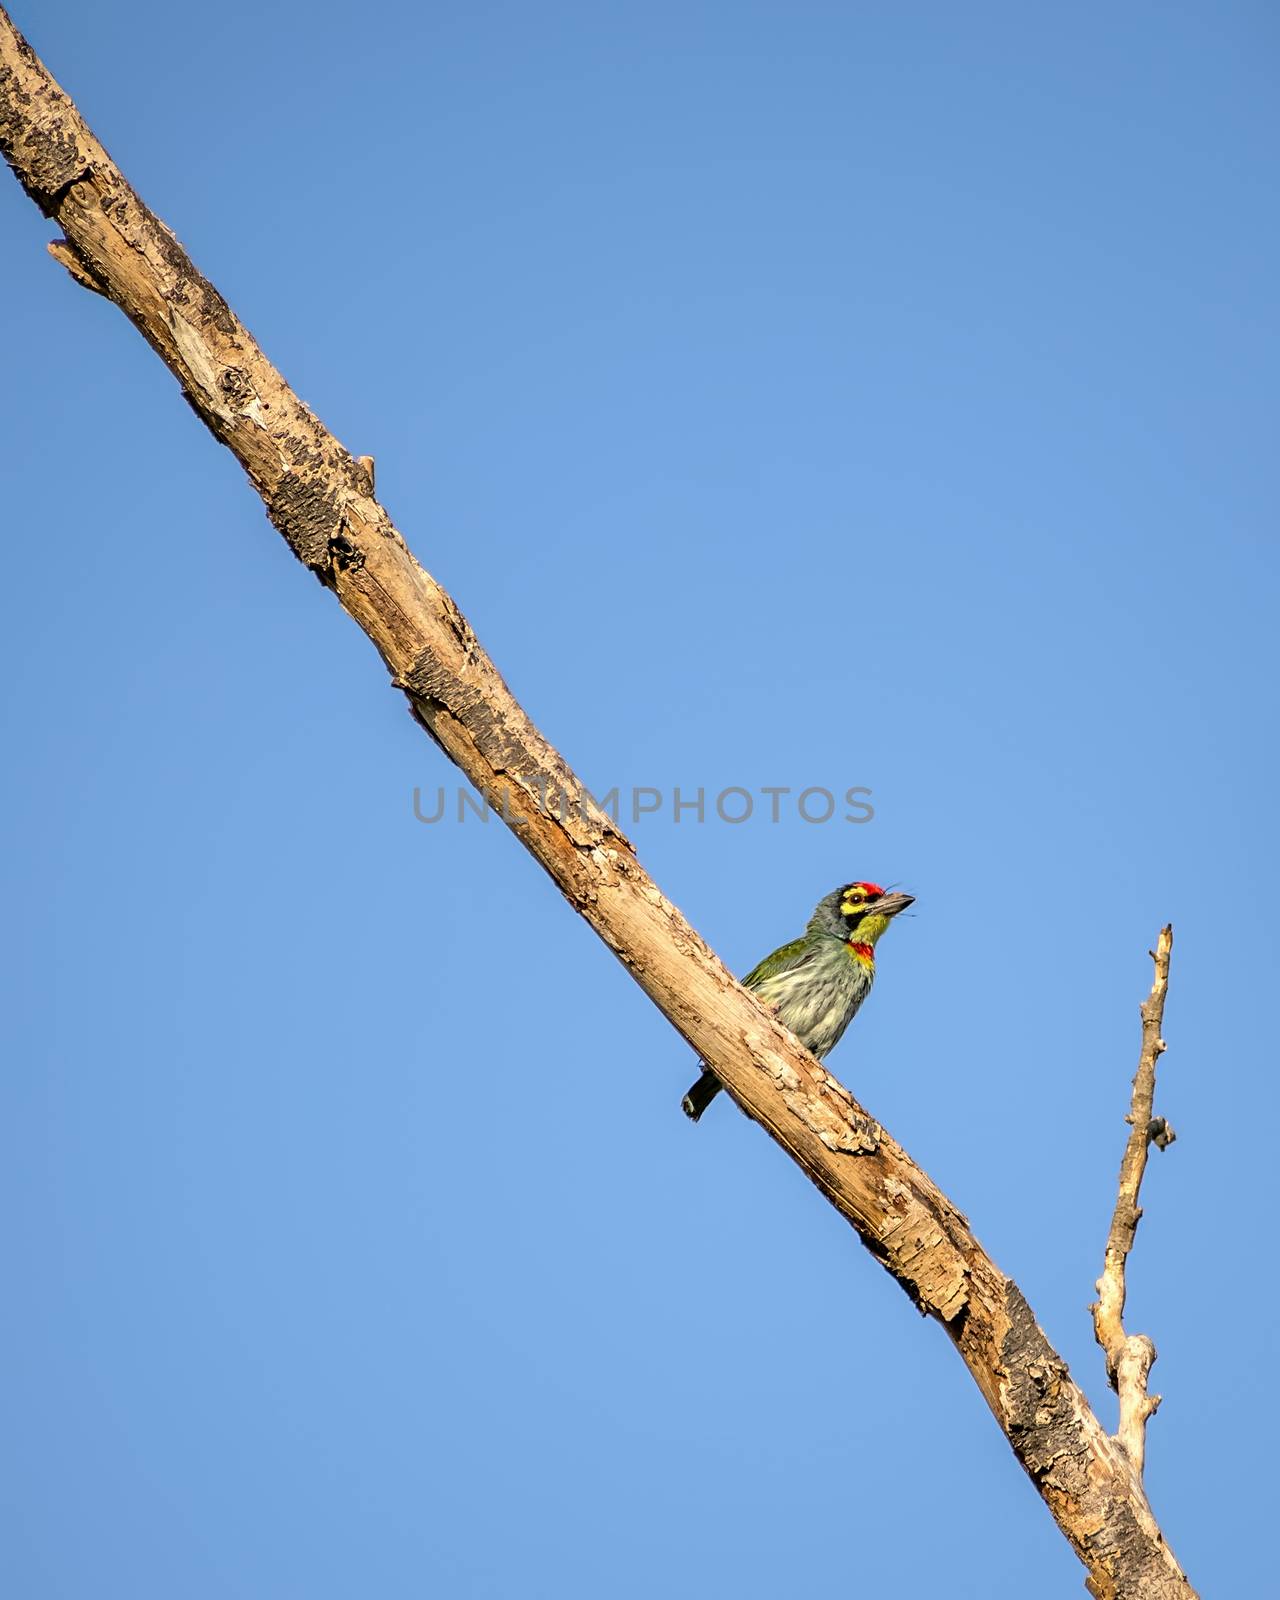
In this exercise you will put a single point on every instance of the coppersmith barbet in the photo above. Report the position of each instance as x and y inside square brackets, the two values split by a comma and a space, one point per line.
[815, 984]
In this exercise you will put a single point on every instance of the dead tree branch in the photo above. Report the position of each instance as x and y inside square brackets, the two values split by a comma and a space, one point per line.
[1130, 1356]
[321, 500]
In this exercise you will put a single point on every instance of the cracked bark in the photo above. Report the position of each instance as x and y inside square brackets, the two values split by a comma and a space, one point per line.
[321, 500]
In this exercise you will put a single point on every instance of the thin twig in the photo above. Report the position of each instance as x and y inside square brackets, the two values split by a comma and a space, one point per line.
[1130, 1356]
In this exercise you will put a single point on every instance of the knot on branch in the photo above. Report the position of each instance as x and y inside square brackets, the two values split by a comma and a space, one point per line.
[345, 555]
[1160, 1133]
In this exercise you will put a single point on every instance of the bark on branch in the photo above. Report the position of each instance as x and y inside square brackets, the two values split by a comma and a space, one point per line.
[1130, 1356]
[321, 500]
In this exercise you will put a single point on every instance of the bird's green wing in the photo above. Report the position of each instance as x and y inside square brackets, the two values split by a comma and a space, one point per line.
[784, 956]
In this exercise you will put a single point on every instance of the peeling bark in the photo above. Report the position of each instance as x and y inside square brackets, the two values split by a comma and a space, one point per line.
[321, 500]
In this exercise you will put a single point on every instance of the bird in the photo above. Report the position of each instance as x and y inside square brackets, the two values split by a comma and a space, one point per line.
[815, 984]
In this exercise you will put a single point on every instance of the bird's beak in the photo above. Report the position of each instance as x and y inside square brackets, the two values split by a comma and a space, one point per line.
[889, 905]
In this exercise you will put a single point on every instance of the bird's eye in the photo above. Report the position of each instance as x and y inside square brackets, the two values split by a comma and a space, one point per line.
[856, 899]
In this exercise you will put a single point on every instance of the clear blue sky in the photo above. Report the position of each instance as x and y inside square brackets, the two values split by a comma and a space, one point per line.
[805, 394]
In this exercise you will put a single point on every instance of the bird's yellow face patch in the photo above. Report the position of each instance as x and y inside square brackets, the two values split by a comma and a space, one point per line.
[863, 926]
[856, 896]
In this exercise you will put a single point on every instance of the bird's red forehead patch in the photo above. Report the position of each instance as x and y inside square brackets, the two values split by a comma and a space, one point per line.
[868, 889]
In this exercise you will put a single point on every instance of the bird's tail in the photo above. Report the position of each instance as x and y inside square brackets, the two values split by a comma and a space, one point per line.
[701, 1095]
